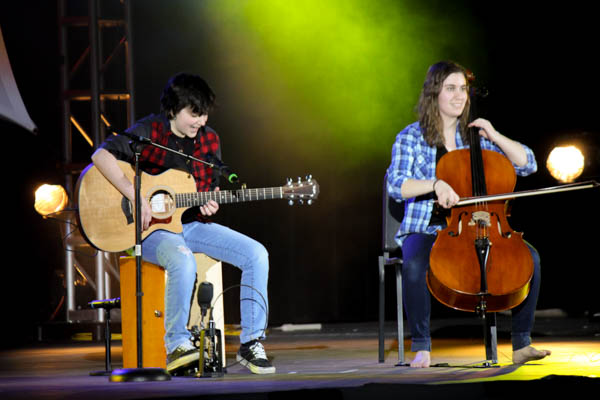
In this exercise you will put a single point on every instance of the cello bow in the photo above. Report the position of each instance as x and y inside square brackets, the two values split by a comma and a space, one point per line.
[526, 193]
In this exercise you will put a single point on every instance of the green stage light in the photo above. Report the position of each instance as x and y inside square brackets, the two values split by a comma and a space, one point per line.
[341, 74]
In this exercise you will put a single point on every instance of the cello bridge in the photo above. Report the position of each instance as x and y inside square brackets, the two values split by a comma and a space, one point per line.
[480, 218]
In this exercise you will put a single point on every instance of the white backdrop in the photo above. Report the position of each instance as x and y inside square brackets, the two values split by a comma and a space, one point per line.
[11, 103]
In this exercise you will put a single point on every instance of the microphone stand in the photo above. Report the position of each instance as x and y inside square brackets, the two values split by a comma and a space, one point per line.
[144, 140]
[140, 373]
[212, 366]
[217, 164]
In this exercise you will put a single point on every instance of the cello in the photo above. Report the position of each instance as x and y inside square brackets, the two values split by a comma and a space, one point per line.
[478, 263]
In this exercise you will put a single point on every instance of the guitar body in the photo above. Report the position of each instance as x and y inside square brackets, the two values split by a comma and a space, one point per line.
[106, 217]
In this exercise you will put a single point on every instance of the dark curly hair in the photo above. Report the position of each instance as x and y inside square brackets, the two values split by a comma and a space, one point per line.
[187, 90]
[430, 120]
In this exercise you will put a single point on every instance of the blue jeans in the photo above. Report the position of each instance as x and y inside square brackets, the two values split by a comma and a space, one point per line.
[417, 300]
[174, 252]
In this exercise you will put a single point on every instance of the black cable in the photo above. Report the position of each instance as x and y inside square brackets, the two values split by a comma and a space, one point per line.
[265, 308]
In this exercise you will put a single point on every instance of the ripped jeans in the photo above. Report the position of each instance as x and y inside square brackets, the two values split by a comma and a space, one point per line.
[174, 252]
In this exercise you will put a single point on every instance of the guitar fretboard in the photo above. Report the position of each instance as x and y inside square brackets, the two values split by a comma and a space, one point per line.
[227, 196]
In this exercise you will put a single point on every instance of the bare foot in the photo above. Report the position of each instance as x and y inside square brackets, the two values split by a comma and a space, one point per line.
[528, 353]
[421, 360]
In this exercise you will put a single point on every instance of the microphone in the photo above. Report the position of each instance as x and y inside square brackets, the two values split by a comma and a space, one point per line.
[223, 169]
[211, 362]
[139, 139]
[108, 303]
[205, 294]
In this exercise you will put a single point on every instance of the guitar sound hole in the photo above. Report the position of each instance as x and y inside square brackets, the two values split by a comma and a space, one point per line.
[162, 204]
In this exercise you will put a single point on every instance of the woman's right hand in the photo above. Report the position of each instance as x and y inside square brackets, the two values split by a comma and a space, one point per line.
[447, 197]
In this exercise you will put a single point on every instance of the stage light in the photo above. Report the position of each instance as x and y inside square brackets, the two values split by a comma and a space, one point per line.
[565, 163]
[331, 62]
[50, 199]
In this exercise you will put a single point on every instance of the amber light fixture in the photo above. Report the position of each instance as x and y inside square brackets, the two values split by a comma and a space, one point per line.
[565, 163]
[50, 199]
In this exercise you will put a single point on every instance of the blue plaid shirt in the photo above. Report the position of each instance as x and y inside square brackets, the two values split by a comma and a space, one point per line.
[413, 158]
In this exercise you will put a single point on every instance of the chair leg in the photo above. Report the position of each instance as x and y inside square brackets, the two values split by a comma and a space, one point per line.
[381, 309]
[399, 313]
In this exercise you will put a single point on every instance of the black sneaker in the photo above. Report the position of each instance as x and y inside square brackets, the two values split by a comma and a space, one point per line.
[183, 356]
[252, 355]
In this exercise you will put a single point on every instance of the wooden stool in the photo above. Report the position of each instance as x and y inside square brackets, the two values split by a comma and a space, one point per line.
[153, 309]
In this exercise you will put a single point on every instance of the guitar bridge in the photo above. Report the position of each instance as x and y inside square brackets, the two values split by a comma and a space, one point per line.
[162, 203]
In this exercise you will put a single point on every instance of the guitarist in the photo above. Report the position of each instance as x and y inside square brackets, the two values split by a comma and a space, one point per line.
[185, 103]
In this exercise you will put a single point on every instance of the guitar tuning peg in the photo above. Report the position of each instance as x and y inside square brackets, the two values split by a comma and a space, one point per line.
[289, 181]
[301, 201]
[290, 202]
[299, 180]
[309, 202]
[309, 177]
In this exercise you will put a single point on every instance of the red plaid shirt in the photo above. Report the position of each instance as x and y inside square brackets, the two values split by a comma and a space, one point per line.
[154, 160]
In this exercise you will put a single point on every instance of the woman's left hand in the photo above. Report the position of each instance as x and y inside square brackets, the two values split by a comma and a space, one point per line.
[485, 129]
[513, 150]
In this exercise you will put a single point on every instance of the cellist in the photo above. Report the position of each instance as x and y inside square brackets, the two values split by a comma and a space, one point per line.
[443, 111]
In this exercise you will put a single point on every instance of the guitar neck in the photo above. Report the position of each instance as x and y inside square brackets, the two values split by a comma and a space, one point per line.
[186, 200]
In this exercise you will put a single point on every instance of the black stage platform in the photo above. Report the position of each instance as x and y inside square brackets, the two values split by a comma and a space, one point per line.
[336, 362]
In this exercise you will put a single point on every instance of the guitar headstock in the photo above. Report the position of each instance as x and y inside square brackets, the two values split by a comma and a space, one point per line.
[302, 191]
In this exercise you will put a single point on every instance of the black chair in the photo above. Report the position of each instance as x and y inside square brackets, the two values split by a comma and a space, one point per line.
[392, 216]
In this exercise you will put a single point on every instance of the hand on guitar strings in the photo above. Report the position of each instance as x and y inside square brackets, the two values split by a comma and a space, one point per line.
[207, 210]
[146, 215]
[211, 207]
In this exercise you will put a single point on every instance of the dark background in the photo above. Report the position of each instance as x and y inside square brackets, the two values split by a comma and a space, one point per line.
[541, 72]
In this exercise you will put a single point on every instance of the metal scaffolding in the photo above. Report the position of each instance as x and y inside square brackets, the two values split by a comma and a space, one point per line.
[96, 77]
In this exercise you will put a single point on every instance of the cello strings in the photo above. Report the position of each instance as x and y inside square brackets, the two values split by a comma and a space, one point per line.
[477, 178]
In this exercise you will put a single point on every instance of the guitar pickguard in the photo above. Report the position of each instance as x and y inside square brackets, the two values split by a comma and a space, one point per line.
[127, 210]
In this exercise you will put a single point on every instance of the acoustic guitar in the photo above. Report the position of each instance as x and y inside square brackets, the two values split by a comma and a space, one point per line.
[106, 217]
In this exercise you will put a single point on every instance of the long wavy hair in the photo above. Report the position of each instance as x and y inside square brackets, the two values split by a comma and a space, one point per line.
[428, 109]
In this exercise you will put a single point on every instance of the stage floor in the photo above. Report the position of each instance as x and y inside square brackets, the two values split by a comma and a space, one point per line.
[337, 361]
